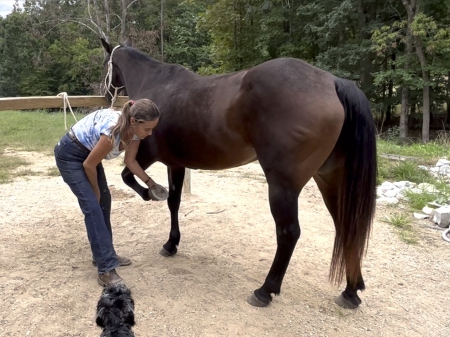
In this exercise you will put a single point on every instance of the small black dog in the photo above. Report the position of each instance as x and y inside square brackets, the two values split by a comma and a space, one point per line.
[115, 311]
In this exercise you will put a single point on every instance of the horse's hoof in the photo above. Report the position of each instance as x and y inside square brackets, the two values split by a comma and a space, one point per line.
[145, 196]
[344, 302]
[166, 253]
[256, 302]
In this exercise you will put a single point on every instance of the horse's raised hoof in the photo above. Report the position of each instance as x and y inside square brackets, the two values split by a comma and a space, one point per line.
[253, 300]
[345, 302]
[145, 196]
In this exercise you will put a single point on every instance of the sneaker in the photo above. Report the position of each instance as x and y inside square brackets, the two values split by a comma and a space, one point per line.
[123, 261]
[109, 278]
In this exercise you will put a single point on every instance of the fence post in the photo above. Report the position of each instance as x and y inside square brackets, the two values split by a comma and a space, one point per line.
[187, 181]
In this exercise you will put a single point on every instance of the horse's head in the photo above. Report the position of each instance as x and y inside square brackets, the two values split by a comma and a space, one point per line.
[114, 83]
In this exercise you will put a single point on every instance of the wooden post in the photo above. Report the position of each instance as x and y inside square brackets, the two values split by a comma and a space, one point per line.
[187, 181]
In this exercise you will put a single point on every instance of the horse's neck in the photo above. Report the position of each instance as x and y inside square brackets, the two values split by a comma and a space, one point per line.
[151, 73]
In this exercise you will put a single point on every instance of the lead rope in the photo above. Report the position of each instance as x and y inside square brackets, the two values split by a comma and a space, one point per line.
[66, 103]
[108, 79]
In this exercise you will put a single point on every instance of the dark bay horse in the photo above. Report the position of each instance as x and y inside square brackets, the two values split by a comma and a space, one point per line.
[296, 120]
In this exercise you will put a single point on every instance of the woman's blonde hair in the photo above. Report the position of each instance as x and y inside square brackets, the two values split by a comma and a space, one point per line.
[142, 110]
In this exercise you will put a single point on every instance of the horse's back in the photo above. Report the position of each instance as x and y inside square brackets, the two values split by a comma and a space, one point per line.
[289, 94]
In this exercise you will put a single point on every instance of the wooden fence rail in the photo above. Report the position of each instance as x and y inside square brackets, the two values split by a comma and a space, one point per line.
[48, 102]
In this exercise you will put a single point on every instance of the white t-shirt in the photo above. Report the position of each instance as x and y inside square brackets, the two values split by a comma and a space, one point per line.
[89, 129]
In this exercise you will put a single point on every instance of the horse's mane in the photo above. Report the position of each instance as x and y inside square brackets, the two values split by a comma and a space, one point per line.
[139, 55]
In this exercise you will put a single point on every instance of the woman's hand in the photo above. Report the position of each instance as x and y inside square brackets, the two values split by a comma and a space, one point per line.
[150, 182]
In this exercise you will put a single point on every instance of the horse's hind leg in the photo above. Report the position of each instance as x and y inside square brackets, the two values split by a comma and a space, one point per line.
[283, 199]
[328, 183]
[176, 178]
[287, 169]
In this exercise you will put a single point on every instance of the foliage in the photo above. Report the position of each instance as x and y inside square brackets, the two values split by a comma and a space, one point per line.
[53, 46]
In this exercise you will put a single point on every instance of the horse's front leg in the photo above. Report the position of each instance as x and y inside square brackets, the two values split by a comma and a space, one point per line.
[129, 179]
[146, 156]
[176, 178]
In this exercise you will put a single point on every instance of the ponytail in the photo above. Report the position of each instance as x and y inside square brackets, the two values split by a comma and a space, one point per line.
[123, 123]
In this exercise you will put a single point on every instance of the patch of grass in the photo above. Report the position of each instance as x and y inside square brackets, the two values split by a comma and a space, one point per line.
[28, 131]
[401, 170]
[402, 224]
[417, 201]
[32, 130]
[428, 154]
[7, 165]
[26, 172]
[443, 196]
[409, 171]
[53, 172]
[408, 237]
[401, 220]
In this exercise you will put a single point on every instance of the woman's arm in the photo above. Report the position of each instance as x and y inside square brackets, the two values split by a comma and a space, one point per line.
[98, 153]
[133, 165]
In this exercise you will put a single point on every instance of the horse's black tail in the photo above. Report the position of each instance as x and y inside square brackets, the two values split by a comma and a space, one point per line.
[357, 195]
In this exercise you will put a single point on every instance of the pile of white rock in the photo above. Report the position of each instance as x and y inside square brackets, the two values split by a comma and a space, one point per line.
[440, 170]
[392, 193]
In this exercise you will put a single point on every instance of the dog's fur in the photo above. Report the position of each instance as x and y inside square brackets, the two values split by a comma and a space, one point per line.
[115, 311]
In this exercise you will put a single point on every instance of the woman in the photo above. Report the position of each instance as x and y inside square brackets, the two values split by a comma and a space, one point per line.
[103, 134]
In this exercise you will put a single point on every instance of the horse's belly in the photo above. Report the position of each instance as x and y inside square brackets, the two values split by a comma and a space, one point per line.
[232, 159]
[208, 156]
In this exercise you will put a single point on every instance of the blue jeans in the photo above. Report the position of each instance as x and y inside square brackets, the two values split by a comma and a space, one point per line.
[69, 157]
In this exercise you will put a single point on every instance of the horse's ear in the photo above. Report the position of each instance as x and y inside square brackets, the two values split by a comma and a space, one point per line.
[106, 45]
[128, 42]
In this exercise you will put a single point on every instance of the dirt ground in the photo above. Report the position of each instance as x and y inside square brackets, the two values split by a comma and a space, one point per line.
[49, 286]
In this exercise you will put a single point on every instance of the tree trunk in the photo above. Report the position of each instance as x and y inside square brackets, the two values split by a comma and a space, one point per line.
[426, 108]
[405, 90]
[162, 30]
[448, 112]
[235, 57]
[291, 9]
[404, 114]
[366, 13]
[389, 107]
[426, 91]
[107, 18]
[97, 22]
[383, 99]
[361, 23]
[123, 28]
[410, 6]
[241, 60]
[448, 99]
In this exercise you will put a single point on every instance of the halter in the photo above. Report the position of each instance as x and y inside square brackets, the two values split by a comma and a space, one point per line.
[108, 79]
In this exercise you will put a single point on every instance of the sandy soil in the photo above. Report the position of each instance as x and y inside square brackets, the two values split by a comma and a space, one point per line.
[49, 286]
